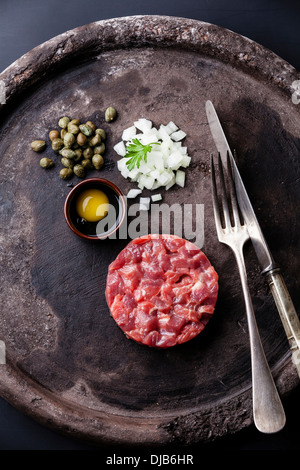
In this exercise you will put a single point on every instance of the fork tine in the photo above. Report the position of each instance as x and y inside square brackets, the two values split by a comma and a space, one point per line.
[223, 194]
[234, 203]
[215, 197]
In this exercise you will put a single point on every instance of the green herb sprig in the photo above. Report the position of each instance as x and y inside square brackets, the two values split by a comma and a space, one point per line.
[136, 152]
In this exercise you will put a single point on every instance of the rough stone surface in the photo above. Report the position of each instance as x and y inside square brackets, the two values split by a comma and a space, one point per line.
[68, 365]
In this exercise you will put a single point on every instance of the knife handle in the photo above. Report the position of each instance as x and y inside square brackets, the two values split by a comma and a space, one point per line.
[287, 313]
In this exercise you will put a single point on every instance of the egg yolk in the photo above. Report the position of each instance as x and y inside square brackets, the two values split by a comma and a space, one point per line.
[92, 205]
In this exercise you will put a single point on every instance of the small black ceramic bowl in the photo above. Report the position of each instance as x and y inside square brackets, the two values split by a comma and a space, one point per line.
[109, 224]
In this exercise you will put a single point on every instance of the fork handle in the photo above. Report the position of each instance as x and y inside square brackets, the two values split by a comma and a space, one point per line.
[268, 412]
[287, 313]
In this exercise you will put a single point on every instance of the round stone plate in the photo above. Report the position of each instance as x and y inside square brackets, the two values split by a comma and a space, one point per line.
[68, 365]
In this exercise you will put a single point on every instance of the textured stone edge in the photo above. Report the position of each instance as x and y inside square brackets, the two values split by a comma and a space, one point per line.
[141, 31]
[227, 417]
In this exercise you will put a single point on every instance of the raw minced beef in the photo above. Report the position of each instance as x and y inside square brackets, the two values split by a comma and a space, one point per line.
[161, 290]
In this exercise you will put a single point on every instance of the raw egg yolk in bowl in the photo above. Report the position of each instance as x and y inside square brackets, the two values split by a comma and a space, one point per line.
[92, 205]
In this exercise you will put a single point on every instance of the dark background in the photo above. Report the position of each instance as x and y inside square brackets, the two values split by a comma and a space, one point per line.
[25, 24]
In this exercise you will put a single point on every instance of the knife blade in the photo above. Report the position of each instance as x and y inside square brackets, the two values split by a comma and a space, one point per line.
[270, 269]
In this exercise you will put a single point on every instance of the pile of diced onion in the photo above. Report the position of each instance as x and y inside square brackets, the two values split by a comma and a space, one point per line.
[165, 162]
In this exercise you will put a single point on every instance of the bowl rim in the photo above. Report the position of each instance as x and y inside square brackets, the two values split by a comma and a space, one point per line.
[76, 189]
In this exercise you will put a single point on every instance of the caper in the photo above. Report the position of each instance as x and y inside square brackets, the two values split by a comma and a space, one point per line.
[110, 114]
[63, 122]
[81, 139]
[101, 132]
[68, 153]
[100, 148]
[57, 144]
[88, 153]
[54, 135]
[75, 121]
[78, 155]
[46, 162]
[80, 145]
[38, 145]
[97, 161]
[95, 140]
[91, 124]
[86, 129]
[87, 164]
[67, 162]
[73, 128]
[79, 171]
[66, 173]
[63, 133]
[69, 140]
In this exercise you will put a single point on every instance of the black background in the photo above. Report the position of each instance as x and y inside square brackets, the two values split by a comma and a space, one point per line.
[25, 24]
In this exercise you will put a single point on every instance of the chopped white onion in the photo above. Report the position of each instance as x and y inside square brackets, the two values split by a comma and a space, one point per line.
[180, 178]
[171, 127]
[129, 133]
[174, 160]
[171, 182]
[132, 193]
[120, 149]
[162, 168]
[185, 161]
[156, 197]
[146, 181]
[162, 133]
[178, 135]
[148, 138]
[165, 177]
[144, 203]
[143, 124]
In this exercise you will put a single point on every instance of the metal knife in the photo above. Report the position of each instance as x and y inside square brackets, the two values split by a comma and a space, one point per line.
[272, 272]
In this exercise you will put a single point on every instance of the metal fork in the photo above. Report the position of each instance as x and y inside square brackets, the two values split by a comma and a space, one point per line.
[268, 412]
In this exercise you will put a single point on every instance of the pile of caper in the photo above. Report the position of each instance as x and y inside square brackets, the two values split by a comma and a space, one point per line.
[81, 146]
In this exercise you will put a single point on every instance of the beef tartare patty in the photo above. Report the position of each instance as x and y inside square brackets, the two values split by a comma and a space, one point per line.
[161, 290]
